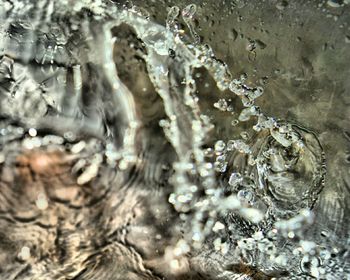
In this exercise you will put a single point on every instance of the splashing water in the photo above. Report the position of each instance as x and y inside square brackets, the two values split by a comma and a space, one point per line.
[120, 168]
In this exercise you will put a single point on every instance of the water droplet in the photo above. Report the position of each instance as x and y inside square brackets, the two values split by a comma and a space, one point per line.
[347, 39]
[235, 179]
[221, 105]
[234, 122]
[335, 3]
[24, 254]
[32, 132]
[281, 5]
[42, 202]
[233, 34]
[218, 226]
[245, 196]
[220, 146]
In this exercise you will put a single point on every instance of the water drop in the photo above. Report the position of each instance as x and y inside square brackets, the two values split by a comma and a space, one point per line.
[235, 179]
[347, 39]
[24, 254]
[334, 3]
[221, 105]
[220, 146]
[32, 132]
[281, 5]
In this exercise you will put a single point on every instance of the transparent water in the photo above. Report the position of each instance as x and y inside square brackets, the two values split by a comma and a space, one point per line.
[129, 150]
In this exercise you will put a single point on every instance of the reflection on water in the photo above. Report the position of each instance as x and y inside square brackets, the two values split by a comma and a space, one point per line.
[113, 165]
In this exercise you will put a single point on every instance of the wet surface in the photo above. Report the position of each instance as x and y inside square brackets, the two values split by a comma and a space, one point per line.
[131, 149]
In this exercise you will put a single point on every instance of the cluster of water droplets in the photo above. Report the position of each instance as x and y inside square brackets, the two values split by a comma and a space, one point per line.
[274, 178]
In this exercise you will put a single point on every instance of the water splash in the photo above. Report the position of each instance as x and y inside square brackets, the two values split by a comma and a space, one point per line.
[249, 199]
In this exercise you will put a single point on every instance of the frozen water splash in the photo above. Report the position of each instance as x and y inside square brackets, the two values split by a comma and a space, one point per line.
[250, 199]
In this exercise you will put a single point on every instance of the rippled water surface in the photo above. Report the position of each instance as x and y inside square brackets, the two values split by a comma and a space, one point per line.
[140, 142]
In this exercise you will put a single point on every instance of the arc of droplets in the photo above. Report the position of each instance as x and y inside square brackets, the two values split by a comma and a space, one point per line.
[185, 132]
[187, 142]
[159, 40]
[186, 129]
